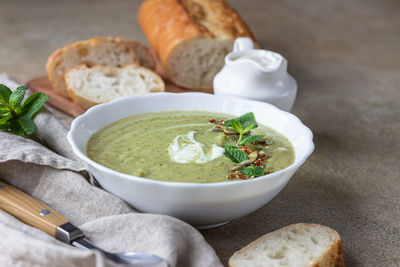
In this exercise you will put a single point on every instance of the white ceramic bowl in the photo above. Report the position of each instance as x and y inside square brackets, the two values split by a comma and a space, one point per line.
[202, 205]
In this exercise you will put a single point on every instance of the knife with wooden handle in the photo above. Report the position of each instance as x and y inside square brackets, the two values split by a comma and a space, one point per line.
[33, 212]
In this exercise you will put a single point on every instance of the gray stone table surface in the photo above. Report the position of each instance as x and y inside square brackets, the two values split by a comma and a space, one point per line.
[345, 55]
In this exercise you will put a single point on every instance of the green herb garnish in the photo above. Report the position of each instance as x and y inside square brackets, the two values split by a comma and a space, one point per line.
[242, 124]
[15, 116]
[250, 139]
[235, 154]
[251, 168]
[245, 120]
[253, 171]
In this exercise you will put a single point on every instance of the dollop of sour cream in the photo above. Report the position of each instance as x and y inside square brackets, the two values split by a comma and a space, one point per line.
[185, 149]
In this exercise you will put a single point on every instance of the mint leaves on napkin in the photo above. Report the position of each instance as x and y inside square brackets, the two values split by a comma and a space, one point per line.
[15, 116]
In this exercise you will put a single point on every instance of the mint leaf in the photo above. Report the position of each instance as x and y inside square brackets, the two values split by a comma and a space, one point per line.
[250, 139]
[16, 128]
[235, 154]
[33, 104]
[253, 171]
[27, 125]
[236, 126]
[5, 127]
[4, 120]
[4, 111]
[251, 126]
[242, 124]
[17, 96]
[5, 93]
[245, 120]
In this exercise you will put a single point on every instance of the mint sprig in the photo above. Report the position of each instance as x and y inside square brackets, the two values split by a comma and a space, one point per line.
[245, 120]
[15, 116]
[235, 154]
[242, 124]
[253, 171]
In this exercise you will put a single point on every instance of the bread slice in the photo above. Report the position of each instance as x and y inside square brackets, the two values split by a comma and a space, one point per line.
[144, 55]
[91, 86]
[297, 245]
[96, 51]
[191, 37]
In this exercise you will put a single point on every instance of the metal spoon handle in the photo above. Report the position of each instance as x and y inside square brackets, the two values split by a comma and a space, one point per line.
[29, 210]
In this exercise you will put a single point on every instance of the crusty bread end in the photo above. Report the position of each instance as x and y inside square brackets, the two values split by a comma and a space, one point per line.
[296, 245]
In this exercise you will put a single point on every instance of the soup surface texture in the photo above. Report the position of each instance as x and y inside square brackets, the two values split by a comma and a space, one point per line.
[178, 146]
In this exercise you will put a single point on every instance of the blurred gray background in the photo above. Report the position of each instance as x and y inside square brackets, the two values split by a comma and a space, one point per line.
[345, 55]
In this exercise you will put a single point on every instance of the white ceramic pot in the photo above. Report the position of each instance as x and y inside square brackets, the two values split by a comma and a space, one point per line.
[256, 74]
[202, 205]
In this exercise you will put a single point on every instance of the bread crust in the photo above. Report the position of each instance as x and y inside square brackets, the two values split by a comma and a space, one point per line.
[169, 23]
[333, 257]
[153, 17]
[56, 57]
[87, 103]
[146, 59]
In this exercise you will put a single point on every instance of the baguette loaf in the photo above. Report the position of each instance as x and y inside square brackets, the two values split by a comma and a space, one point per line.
[296, 245]
[191, 37]
[96, 51]
[99, 84]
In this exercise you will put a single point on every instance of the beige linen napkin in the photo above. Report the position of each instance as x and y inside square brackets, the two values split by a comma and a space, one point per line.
[46, 169]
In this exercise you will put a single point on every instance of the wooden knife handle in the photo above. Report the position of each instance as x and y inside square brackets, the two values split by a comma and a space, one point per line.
[29, 210]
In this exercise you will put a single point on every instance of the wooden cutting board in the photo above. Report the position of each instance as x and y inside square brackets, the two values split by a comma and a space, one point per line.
[42, 84]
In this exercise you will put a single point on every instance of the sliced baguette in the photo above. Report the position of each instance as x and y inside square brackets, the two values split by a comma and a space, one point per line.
[144, 55]
[297, 245]
[96, 51]
[91, 86]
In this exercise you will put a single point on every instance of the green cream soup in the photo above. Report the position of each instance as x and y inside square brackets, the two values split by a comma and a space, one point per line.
[179, 146]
